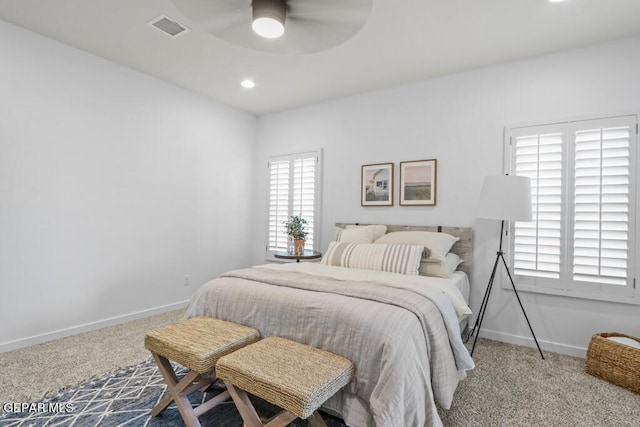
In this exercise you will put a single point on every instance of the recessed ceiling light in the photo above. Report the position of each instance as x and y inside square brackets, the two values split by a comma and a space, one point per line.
[247, 84]
[555, 1]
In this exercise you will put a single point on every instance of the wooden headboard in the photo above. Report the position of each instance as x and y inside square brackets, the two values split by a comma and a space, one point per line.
[462, 248]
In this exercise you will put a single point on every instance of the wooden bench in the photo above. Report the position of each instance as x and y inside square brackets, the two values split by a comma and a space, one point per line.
[196, 344]
[293, 376]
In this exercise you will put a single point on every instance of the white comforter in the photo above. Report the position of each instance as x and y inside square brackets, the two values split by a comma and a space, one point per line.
[395, 335]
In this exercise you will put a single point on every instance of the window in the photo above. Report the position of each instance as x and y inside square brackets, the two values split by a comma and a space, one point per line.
[294, 189]
[581, 241]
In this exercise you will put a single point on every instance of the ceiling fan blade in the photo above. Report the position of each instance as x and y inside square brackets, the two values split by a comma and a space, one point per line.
[202, 11]
[317, 35]
[346, 18]
[224, 21]
[335, 5]
[308, 10]
[310, 26]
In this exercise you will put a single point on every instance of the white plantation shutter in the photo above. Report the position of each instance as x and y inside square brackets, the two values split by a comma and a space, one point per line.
[581, 240]
[278, 202]
[293, 190]
[602, 188]
[538, 243]
[304, 190]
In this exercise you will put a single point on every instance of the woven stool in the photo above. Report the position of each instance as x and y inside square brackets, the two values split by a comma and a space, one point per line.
[196, 344]
[293, 376]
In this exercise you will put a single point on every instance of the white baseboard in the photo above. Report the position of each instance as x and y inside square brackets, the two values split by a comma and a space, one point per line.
[86, 327]
[569, 350]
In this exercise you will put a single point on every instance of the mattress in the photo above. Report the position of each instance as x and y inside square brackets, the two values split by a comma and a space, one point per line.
[461, 281]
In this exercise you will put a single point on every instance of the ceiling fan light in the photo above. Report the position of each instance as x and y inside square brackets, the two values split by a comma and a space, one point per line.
[268, 18]
[268, 28]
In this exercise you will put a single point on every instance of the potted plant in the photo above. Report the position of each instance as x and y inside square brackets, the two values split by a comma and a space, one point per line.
[296, 229]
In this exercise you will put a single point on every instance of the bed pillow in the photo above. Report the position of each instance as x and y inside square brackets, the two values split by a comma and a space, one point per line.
[441, 268]
[378, 230]
[355, 235]
[402, 259]
[438, 244]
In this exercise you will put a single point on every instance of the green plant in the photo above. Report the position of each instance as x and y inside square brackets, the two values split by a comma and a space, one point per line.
[296, 227]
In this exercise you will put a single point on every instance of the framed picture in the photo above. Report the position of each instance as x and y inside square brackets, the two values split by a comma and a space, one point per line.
[418, 183]
[376, 185]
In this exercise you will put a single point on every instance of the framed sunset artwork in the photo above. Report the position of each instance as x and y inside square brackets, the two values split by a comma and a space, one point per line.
[418, 183]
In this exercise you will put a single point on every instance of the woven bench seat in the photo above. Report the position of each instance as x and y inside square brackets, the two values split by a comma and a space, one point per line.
[293, 376]
[196, 344]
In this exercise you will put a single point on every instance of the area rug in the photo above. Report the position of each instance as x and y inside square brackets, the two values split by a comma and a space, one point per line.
[124, 398]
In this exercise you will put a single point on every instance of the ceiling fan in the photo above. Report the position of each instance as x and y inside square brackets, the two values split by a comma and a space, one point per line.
[291, 26]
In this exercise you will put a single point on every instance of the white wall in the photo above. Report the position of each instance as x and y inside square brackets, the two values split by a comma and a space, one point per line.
[459, 120]
[113, 187]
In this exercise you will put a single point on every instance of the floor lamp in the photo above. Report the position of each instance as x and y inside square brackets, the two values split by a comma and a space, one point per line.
[506, 198]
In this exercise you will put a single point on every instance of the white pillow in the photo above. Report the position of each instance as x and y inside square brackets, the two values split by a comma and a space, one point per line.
[378, 230]
[355, 235]
[402, 259]
[442, 268]
[438, 244]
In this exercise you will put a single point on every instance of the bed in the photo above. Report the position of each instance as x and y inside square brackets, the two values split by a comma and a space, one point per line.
[401, 331]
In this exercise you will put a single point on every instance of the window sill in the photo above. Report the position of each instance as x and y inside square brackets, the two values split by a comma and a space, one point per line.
[633, 299]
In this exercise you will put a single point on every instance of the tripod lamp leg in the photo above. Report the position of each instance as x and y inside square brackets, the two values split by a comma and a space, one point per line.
[521, 306]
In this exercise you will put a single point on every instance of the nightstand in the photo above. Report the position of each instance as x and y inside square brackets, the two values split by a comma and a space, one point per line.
[306, 255]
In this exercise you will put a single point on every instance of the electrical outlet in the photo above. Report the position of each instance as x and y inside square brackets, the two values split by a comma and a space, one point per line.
[187, 280]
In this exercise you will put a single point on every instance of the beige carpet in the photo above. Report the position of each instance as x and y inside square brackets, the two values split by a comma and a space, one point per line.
[511, 385]
[30, 373]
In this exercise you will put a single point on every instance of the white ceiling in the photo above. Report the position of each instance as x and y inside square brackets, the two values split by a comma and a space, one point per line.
[402, 41]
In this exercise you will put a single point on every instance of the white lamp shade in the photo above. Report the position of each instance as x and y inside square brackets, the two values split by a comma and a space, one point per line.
[505, 197]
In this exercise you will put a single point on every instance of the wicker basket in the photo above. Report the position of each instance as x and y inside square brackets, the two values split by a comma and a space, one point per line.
[614, 362]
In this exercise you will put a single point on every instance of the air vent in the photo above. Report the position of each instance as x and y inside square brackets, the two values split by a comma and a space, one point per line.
[168, 26]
